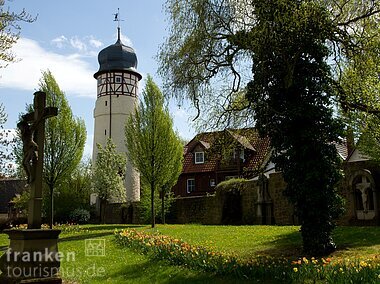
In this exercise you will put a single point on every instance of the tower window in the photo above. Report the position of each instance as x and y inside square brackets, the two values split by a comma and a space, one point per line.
[105, 131]
[118, 79]
[106, 103]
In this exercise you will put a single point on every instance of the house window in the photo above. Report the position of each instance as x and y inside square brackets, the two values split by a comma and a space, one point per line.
[212, 182]
[239, 153]
[118, 79]
[199, 157]
[190, 185]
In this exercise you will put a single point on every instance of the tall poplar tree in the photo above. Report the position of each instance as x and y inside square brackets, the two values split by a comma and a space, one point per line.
[65, 137]
[153, 146]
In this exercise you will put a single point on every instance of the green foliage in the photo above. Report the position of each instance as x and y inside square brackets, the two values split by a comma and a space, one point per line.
[290, 93]
[234, 184]
[79, 216]
[6, 144]
[10, 32]
[361, 87]
[153, 147]
[145, 204]
[65, 137]
[109, 173]
[21, 201]
[74, 193]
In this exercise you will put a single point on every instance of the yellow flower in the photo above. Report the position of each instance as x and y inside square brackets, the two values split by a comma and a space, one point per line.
[305, 260]
[363, 264]
[295, 269]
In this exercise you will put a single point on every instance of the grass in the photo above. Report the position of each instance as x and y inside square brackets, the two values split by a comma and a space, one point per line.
[121, 265]
[245, 241]
[276, 241]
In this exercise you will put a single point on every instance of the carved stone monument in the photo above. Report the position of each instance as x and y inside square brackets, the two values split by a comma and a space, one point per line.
[32, 256]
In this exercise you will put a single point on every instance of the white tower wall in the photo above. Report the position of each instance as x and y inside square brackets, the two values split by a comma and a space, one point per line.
[117, 99]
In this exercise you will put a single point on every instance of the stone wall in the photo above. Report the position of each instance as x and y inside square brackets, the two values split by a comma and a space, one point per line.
[202, 209]
[210, 209]
[283, 211]
[122, 213]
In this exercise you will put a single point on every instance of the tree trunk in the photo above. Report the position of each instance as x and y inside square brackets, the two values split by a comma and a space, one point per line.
[163, 207]
[51, 207]
[152, 205]
[102, 211]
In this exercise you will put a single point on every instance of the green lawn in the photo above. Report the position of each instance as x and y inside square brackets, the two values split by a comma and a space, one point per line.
[120, 265]
[274, 241]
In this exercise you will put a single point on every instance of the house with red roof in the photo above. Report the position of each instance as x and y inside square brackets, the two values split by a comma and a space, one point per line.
[212, 157]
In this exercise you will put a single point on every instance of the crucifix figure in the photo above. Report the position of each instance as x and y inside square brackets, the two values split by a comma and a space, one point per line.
[364, 187]
[32, 128]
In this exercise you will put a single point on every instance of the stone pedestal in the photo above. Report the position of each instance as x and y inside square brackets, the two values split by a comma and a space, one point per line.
[32, 257]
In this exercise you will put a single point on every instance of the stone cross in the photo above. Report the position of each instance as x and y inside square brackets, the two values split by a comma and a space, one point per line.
[32, 127]
[364, 186]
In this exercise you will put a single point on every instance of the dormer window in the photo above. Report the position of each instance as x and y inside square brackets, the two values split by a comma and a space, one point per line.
[239, 154]
[199, 157]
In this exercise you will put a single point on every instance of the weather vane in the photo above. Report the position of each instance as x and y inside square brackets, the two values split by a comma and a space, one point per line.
[118, 20]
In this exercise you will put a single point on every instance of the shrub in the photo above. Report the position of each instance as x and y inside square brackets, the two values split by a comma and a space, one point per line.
[80, 216]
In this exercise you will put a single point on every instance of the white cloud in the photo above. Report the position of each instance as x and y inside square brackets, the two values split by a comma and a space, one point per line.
[78, 44]
[95, 43]
[84, 45]
[59, 41]
[72, 72]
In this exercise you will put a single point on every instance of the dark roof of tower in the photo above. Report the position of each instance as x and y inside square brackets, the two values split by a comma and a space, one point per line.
[117, 57]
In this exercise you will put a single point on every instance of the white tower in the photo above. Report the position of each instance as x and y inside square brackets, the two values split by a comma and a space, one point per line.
[117, 81]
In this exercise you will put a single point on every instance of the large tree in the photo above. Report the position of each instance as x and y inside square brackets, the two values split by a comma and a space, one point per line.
[10, 31]
[108, 176]
[65, 137]
[276, 54]
[6, 143]
[9, 34]
[153, 146]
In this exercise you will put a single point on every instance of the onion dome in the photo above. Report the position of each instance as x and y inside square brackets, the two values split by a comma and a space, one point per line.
[117, 57]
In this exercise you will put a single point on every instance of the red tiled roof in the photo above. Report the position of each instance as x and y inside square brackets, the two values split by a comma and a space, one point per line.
[248, 138]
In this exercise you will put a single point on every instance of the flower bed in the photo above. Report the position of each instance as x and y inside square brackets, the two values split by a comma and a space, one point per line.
[178, 252]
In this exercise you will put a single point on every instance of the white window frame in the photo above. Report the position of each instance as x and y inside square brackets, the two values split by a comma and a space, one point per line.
[212, 182]
[197, 155]
[190, 187]
[118, 79]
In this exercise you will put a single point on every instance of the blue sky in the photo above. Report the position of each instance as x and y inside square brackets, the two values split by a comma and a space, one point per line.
[66, 39]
